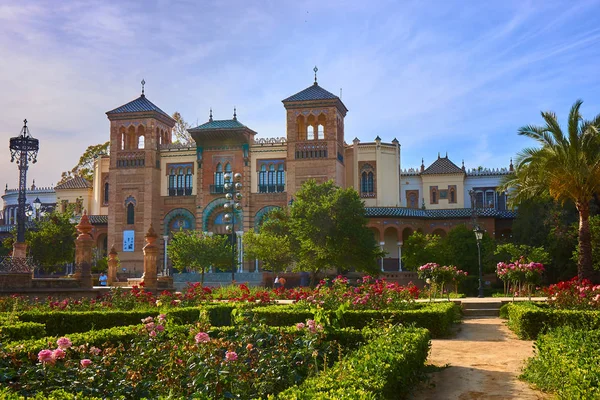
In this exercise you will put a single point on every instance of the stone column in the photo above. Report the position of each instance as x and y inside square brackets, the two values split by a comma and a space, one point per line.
[19, 250]
[113, 261]
[83, 252]
[150, 259]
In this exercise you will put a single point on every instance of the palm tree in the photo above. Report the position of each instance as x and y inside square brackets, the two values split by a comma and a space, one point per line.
[566, 167]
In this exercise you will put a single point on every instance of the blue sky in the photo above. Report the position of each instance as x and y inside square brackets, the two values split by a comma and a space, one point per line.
[441, 76]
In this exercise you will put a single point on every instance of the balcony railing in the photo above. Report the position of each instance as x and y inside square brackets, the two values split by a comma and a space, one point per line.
[180, 191]
[311, 149]
[131, 159]
[271, 188]
[216, 189]
[368, 195]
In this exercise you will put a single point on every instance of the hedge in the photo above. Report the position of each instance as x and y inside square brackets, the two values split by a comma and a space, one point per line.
[58, 394]
[386, 367]
[436, 317]
[567, 362]
[528, 320]
[218, 314]
[22, 330]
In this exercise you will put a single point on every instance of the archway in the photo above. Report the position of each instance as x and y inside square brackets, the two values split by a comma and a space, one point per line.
[178, 219]
[261, 214]
[390, 238]
[406, 232]
[439, 232]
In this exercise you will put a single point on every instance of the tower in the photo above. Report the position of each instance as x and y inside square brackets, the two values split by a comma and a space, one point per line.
[315, 137]
[137, 129]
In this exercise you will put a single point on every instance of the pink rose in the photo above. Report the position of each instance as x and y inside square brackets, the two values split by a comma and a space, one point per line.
[64, 343]
[58, 354]
[86, 362]
[95, 351]
[202, 337]
[231, 356]
[152, 334]
[45, 356]
[160, 328]
[300, 326]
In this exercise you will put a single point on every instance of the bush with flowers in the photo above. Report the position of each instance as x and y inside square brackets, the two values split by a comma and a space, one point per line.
[440, 278]
[574, 295]
[519, 276]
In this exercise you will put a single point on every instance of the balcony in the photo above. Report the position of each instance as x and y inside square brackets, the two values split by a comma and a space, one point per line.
[131, 159]
[311, 149]
[180, 191]
[368, 195]
[216, 189]
[271, 188]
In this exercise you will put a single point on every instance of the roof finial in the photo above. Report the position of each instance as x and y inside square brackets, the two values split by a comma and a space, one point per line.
[315, 69]
[234, 114]
[446, 153]
[143, 83]
[210, 116]
[511, 166]
[463, 165]
[438, 155]
[422, 164]
[25, 123]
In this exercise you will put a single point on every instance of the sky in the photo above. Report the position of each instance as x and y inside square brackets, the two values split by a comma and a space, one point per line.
[439, 75]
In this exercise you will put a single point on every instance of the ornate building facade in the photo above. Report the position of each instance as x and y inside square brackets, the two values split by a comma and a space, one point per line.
[148, 180]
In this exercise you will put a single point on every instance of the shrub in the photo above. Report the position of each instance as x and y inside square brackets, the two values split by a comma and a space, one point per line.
[22, 330]
[384, 368]
[567, 361]
[528, 320]
[574, 295]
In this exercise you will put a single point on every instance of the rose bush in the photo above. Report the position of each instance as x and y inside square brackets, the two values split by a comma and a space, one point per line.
[574, 295]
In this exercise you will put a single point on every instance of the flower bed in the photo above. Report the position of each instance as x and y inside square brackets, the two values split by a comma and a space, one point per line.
[528, 320]
[574, 295]
[567, 362]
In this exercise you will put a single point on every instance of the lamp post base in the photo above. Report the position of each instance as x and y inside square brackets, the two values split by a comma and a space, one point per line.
[19, 250]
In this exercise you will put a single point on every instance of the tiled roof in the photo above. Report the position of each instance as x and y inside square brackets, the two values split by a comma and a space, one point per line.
[76, 182]
[221, 124]
[436, 214]
[442, 165]
[98, 219]
[313, 92]
[141, 104]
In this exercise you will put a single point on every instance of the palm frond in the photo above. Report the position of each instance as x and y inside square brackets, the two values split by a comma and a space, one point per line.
[574, 123]
[554, 127]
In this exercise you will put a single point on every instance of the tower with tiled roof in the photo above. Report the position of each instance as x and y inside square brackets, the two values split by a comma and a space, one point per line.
[137, 129]
[315, 137]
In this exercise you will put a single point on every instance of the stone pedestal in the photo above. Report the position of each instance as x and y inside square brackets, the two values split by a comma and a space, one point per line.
[150, 260]
[83, 253]
[19, 250]
[113, 262]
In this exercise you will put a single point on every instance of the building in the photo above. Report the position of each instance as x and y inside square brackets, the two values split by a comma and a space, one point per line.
[148, 180]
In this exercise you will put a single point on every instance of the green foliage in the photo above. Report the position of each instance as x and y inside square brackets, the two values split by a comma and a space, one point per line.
[180, 131]
[436, 317]
[567, 362]
[386, 367]
[329, 227]
[273, 250]
[51, 242]
[58, 394]
[196, 251]
[513, 252]
[85, 166]
[528, 320]
[595, 231]
[22, 330]
[419, 249]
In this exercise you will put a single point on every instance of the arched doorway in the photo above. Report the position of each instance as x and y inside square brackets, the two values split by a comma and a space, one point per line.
[390, 246]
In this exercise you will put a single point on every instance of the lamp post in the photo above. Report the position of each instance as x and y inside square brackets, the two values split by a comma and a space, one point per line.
[400, 256]
[165, 270]
[37, 204]
[479, 235]
[24, 149]
[232, 188]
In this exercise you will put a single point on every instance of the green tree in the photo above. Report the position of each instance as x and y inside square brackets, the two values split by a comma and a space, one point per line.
[195, 251]
[180, 131]
[567, 167]
[329, 227]
[419, 249]
[595, 233]
[460, 249]
[85, 166]
[512, 252]
[51, 241]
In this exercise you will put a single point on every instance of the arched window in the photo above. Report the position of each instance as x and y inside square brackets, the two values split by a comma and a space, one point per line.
[271, 178]
[130, 214]
[364, 183]
[141, 142]
[370, 185]
[367, 181]
[227, 167]
[320, 132]
[180, 182]
[172, 182]
[219, 175]
[310, 133]
[188, 182]
[452, 196]
[434, 196]
[280, 178]
[106, 193]
[300, 127]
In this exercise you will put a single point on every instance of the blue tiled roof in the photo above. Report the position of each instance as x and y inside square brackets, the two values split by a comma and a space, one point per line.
[442, 166]
[436, 214]
[141, 104]
[313, 92]
[221, 124]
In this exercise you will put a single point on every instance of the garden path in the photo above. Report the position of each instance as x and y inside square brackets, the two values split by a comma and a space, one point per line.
[485, 359]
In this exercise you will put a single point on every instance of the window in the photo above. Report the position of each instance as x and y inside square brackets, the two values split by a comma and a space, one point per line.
[490, 199]
[280, 178]
[433, 195]
[180, 180]
[262, 178]
[452, 196]
[479, 199]
[320, 132]
[413, 201]
[188, 182]
[310, 132]
[141, 142]
[130, 214]
[219, 175]
[227, 168]
[106, 193]
[367, 181]
[271, 176]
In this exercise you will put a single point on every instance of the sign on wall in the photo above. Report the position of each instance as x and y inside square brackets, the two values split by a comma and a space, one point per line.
[128, 240]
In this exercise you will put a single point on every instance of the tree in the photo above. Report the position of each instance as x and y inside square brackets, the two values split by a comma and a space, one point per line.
[595, 233]
[272, 244]
[567, 167]
[329, 228]
[419, 249]
[460, 248]
[513, 252]
[181, 130]
[193, 250]
[85, 166]
[51, 241]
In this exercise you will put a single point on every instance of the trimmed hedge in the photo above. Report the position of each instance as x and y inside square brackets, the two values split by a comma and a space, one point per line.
[528, 320]
[58, 394]
[567, 362]
[436, 317]
[218, 314]
[386, 367]
[22, 330]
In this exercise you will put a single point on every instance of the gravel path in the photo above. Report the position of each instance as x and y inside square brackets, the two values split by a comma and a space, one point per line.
[485, 359]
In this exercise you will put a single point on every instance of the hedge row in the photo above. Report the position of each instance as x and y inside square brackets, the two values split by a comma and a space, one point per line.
[58, 394]
[436, 317]
[567, 362]
[528, 320]
[385, 368]
[22, 330]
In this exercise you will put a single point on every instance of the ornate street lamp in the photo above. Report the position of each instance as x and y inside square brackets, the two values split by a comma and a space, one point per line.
[478, 236]
[232, 188]
[24, 149]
